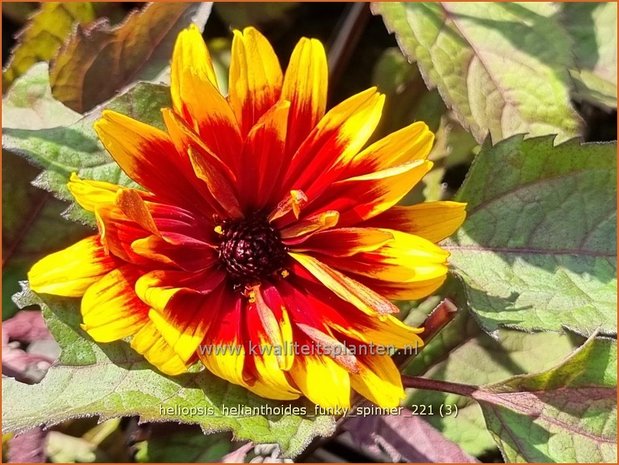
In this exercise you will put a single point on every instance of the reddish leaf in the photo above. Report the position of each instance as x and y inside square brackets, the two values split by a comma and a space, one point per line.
[28, 447]
[565, 414]
[30, 364]
[405, 437]
[99, 60]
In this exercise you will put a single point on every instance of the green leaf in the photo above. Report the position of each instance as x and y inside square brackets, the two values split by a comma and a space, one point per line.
[538, 248]
[29, 103]
[593, 27]
[100, 60]
[565, 414]
[407, 98]
[44, 34]
[502, 67]
[463, 353]
[76, 148]
[31, 226]
[112, 380]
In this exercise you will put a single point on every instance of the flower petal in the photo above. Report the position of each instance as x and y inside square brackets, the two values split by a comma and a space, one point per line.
[312, 304]
[190, 56]
[176, 222]
[189, 254]
[183, 338]
[263, 157]
[332, 347]
[255, 77]
[149, 342]
[266, 360]
[216, 181]
[131, 204]
[223, 351]
[222, 190]
[413, 290]
[273, 329]
[305, 86]
[339, 135]
[432, 220]
[273, 314]
[364, 197]
[405, 258]
[196, 98]
[344, 287]
[182, 306]
[311, 224]
[294, 201]
[118, 232]
[156, 288]
[413, 142]
[148, 156]
[379, 381]
[110, 309]
[344, 242]
[386, 332]
[89, 193]
[71, 271]
[321, 380]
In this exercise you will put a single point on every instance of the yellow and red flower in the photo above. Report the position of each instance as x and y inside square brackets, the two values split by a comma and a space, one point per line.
[263, 221]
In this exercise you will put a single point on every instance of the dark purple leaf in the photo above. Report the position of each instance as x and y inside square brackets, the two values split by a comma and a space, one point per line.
[405, 437]
[27, 447]
[28, 348]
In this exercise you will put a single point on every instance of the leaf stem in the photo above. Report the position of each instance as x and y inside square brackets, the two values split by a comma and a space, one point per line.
[349, 31]
[436, 385]
[442, 314]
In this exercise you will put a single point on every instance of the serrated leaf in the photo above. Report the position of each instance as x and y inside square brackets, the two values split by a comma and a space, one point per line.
[502, 67]
[593, 27]
[112, 380]
[407, 97]
[76, 148]
[100, 60]
[565, 414]
[44, 34]
[29, 103]
[31, 225]
[538, 248]
[463, 353]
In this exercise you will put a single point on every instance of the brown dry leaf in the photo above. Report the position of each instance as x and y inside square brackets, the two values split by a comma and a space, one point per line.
[99, 60]
[43, 35]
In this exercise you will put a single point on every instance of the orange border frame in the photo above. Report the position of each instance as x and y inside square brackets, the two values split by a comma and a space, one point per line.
[274, 1]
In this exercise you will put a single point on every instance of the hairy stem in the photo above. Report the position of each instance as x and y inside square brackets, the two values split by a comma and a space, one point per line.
[436, 385]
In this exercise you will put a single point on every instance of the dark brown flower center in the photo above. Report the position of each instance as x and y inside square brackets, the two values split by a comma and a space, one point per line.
[251, 250]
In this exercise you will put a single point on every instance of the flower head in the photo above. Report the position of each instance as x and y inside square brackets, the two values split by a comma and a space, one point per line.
[264, 242]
